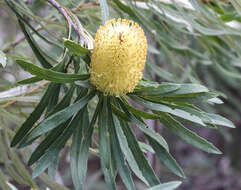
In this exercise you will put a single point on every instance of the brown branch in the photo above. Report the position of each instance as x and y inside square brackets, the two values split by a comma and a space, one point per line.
[90, 4]
[27, 93]
[15, 43]
[69, 18]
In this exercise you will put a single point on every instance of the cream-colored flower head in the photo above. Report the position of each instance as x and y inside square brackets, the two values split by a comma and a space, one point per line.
[118, 57]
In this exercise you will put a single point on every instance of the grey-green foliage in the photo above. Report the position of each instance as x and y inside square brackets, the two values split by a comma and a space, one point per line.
[186, 44]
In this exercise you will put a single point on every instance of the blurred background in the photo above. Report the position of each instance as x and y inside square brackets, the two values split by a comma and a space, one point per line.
[189, 41]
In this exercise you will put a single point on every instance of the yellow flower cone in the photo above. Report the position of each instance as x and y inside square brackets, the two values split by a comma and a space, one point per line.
[118, 57]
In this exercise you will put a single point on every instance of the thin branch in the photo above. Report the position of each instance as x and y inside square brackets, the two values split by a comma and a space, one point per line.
[22, 39]
[89, 4]
[68, 17]
[15, 43]
[27, 93]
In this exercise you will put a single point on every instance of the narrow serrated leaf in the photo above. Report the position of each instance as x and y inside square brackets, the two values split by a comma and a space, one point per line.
[144, 128]
[39, 151]
[34, 47]
[50, 74]
[44, 163]
[80, 149]
[34, 116]
[141, 113]
[219, 120]
[104, 145]
[75, 150]
[189, 88]
[56, 119]
[54, 149]
[162, 108]
[160, 90]
[143, 164]
[119, 157]
[187, 135]
[166, 158]
[128, 153]
[29, 80]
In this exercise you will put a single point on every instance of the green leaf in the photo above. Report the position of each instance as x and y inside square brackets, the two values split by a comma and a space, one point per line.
[195, 97]
[74, 48]
[128, 153]
[182, 93]
[80, 147]
[151, 133]
[51, 75]
[44, 145]
[34, 47]
[187, 135]
[67, 99]
[161, 108]
[51, 184]
[146, 83]
[141, 113]
[53, 101]
[56, 119]
[75, 150]
[3, 59]
[104, 145]
[29, 80]
[167, 186]
[34, 116]
[119, 157]
[44, 163]
[16, 164]
[166, 158]
[219, 120]
[125, 8]
[189, 89]
[159, 145]
[119, 113]
[143, 164]
[230, 16]
[161, 72]
[146, 147]
[84, 84]
[53, 167]
[159, 90]
[206, 117]
[15, 8]
[145, 129]
[55, 147]
[58, 67]
[104, 11]
[55, 108]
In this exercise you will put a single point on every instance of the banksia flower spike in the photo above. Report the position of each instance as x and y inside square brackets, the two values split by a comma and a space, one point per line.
[118, 57]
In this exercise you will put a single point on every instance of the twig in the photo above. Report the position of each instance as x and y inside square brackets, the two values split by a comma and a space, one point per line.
[27, 93]
[15, 43]
[20, 40]
[90, 4]
[67, 15]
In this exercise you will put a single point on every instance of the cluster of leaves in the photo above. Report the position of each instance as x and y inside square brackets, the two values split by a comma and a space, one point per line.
[64, 103]
[205, 37]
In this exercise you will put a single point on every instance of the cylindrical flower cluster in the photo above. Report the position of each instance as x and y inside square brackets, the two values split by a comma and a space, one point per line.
[118, 57]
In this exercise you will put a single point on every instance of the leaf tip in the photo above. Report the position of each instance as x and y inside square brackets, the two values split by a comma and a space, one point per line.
[215, 151]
